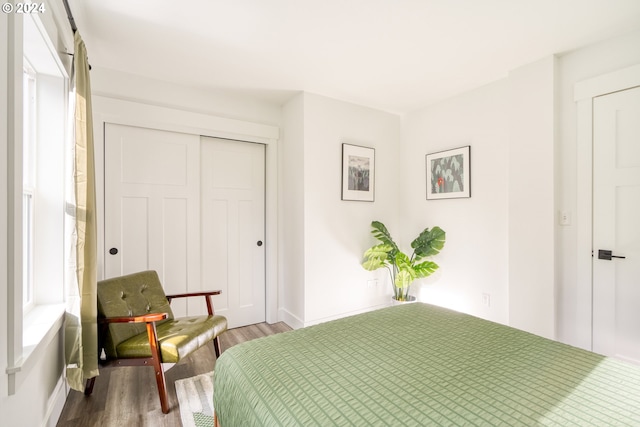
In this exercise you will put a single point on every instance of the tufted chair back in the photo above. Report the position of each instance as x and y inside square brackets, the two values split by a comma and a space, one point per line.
[132, 295]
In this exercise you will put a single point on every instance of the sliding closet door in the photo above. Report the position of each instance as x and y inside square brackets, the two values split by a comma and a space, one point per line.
[192, 209]
[233, 212]
[152, 210]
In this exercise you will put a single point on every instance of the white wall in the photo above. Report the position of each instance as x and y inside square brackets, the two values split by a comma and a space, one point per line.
[531, 198]
[475, 257]
[335, 233]
[541, 140]
[228, 104]
[291, 214]
[338, 232]
[41, 389]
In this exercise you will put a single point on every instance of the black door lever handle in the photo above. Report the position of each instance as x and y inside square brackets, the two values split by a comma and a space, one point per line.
[607, 255]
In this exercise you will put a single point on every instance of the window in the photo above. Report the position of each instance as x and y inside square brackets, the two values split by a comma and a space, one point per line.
[44, 131]
[44, 176]
[29, 121]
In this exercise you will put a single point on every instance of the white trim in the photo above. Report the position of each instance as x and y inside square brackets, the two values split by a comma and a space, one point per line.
[584, 202]
[41, 326]
[52, 63]
[123, 112]
[56, 403]
[291, 319]
[14, 193]
[608, 83]
[584, 92]
[271, 231]
[117, 111]
[347, 314]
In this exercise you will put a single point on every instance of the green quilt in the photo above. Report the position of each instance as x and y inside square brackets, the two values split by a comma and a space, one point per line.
[420, 365]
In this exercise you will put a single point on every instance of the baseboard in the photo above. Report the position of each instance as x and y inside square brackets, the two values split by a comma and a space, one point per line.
[290, 319]
[346, 314]
[56, 403]
[297, 323]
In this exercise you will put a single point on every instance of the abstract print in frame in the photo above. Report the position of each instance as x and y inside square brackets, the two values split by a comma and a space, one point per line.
[449, 173]
[358, 173]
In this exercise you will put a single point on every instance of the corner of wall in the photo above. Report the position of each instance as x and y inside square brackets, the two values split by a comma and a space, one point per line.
[532, 197]
[291, 219]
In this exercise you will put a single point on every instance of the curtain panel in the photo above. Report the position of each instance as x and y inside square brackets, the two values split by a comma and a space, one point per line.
[81, 335]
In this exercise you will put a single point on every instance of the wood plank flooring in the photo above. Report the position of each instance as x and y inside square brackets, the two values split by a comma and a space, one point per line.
[128, 396]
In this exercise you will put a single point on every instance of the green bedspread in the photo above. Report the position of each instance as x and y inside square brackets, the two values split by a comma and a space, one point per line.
[420, 365]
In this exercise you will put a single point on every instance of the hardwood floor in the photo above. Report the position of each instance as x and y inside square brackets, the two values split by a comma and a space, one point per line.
[128, 396]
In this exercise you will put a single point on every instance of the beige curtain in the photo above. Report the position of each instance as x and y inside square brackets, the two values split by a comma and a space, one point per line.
[81, 337]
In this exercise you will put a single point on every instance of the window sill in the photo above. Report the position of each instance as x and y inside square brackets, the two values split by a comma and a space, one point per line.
[40, 326]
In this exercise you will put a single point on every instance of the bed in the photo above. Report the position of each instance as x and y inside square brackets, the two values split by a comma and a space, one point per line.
[420, 365]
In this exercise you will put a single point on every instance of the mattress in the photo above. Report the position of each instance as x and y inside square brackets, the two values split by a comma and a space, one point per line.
[420, 365]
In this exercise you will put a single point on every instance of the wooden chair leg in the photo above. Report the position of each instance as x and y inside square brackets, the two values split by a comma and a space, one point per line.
[88, 388]
[162, 389]
[216, 346]
[157, 366]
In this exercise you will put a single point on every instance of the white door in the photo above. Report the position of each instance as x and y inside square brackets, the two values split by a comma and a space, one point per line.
[616, 225]
[233, 212]
[152, 207]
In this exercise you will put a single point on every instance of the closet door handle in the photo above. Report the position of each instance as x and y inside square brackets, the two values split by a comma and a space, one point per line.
[259, 243]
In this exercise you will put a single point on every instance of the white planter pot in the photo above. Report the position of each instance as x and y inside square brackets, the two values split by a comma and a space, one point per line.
[411, 299]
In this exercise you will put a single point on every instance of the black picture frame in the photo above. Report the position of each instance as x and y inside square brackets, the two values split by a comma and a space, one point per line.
[358, 173]
[449, 174]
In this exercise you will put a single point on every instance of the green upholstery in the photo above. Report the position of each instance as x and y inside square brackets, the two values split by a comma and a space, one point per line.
[177, 338]
[139, 294]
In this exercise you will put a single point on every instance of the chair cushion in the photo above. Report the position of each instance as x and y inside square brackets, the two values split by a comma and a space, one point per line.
[177, 338]
[132, 295]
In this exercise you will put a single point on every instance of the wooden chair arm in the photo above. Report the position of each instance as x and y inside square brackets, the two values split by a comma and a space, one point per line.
[205, 294]
[145, 318]
[194, 294]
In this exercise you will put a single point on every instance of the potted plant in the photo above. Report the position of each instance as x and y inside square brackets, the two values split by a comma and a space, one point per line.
[404, 269]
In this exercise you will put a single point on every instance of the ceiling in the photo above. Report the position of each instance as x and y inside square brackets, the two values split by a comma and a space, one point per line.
[393, 55]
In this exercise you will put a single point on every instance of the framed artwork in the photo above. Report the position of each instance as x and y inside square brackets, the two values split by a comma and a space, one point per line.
[449, 173]
[358, 173]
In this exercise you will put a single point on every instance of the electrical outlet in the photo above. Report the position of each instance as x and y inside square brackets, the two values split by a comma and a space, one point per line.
[486, 300]
[372, 283]
[565, 218]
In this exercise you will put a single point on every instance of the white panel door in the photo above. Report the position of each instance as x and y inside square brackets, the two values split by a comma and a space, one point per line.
[233, 256]
[616, 225]
[152, 210]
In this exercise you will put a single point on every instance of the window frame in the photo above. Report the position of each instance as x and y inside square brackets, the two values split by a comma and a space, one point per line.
[29, 170]
[32, 327]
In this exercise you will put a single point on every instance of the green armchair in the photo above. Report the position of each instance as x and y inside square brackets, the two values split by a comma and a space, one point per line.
[136, 327]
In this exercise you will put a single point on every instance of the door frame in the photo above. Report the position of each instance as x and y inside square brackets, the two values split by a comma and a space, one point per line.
[584, 93]
[129, 113]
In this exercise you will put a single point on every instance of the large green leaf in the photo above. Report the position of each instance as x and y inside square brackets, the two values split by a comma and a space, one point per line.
[425, 269]
[429, 242]
[376, 257]
[373, 264]
[406, 273]
[378, 251]
[403, 278]
[402, 260]
[381, 233]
